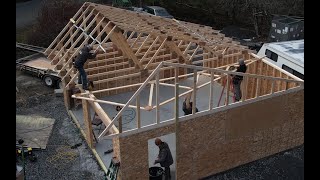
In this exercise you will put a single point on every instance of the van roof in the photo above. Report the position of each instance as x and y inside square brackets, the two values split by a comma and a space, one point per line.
[293, 50]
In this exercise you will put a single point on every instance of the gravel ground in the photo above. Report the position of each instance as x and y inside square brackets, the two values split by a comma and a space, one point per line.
[288, 165]
[58, 161]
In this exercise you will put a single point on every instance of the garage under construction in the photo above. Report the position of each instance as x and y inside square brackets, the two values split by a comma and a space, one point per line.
[144, 69]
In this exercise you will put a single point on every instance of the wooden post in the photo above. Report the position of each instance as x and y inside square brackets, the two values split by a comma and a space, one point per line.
[176, 115]
[228, 89]
[120, 124]
[194, 91]
[66, 95]
[211, 91]
[87, 122]
[272, 86]
[245, 88]
[138, 111]
[157, 99]
[258, 87]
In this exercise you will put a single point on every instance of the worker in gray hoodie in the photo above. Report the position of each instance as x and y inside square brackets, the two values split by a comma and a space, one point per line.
[237, 79]
[164, 158]
[81, 59]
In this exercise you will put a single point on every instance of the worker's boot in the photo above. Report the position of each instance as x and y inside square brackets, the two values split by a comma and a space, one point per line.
[85, 87]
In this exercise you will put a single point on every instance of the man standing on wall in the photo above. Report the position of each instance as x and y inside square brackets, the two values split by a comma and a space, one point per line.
[81, 59]
[236, 80]
[164, 158]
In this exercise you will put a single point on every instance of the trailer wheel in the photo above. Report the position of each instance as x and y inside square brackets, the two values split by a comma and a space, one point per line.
[48, 80]
[59, 84]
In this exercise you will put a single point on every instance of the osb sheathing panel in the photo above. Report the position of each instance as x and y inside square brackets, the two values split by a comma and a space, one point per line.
[226, 139]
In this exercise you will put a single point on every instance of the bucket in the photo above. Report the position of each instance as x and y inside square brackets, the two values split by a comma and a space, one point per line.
[155, 173]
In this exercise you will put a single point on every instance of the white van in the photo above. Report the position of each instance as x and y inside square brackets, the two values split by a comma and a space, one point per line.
[288, 55]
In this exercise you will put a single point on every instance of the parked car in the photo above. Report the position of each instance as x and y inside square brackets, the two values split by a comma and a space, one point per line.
[157, 11]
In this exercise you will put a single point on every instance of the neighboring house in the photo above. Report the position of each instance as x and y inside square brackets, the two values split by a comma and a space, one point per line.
[285, 28]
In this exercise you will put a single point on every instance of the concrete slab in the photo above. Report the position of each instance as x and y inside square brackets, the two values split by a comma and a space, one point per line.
[148, 117]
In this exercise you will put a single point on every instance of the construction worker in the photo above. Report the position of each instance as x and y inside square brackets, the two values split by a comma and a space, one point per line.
[81, 59]
[187, 105]
[164, 158]
[236, 80]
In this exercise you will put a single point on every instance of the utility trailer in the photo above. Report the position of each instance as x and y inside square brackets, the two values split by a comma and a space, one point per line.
[38, 65]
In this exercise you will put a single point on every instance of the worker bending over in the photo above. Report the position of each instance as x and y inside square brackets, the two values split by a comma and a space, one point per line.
[187, 105]
[164, 157]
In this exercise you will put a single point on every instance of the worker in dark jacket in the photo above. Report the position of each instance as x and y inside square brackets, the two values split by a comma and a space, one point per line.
[187, 105]
[236, 80]
[164, 158]
[84, 55]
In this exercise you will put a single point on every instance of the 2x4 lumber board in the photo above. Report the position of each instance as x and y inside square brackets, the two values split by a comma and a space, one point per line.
[72, 80]
[156, 53]
[54, 60]
[228, 89]
[157, 99]
[186, 50]
[172, 85]
[194, 52]
[111, 89]
[255, 69]
[259, 80]
[120, 124]
[138, 112]
[69, 25]
[266, 82]
[272, 86]
[194, 104]
[151, 94]
[102, 115]
[245, 88]
[211, 91]
[176, 117]
[131, 35]
[87, 121]
[257, 94]
[66, 97]
[145, 40]
[135, 41]
[150, 47]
